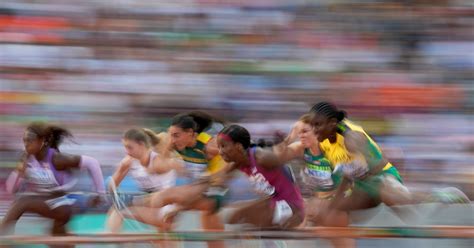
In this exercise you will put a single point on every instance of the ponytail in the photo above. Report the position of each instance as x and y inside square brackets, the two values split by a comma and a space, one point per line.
[196, 120]
[142, 135]
[52, 135]
[56, 136]
[203, 120]
[154, 139]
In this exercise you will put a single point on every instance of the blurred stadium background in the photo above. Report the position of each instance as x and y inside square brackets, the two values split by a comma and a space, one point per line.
[402, 69]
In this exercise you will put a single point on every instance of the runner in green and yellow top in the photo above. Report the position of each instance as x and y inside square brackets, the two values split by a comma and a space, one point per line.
[317, 178]
[358, 158]
[200, 154]
[199, 159]
[361, 162]
[317, 173]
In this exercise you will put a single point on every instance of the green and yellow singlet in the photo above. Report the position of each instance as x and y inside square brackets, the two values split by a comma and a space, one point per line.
[195, 158]
[319, 172]
[337, 153]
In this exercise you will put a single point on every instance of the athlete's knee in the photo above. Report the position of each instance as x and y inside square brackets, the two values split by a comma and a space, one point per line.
[62, 214]
[234, 218]
[211, 222]
[336, 218]
[390, 182]
[297, 218]
[58, 228]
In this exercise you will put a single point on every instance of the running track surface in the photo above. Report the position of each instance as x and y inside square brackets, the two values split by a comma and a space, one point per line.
[428, 214]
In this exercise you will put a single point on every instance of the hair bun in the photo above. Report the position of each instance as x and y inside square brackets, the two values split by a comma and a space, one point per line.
[341, 114]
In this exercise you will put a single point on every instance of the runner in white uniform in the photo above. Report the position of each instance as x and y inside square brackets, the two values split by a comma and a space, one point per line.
[151, 171]
[49, 176]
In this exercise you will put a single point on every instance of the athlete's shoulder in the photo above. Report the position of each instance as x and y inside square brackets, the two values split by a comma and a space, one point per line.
[63, 161]
[265, 157]
[204, 137]
[349, 125]
[355, 140]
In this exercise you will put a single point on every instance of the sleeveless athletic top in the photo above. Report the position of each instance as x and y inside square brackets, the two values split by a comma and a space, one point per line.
[277, 183]
[195, 158]
[42, 176]
[151, 182]
[337, 153]
[319, 172]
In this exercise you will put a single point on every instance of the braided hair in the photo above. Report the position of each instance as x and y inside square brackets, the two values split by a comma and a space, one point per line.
[329, 110]
[238, 134]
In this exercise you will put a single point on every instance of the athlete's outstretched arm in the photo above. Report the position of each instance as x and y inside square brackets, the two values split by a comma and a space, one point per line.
[92, 165]
[289, 148]
[16, 178]
[211, 148]
[223, 175]
[121, 171]
[14, 181]
[267, 158]
[167, 158]
[164, 164]
[63, 161]
[358, 144]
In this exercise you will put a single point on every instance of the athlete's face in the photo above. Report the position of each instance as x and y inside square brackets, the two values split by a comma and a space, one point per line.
[134, 149]
[323, 126]
[180, 138]
[306, 134]
[230, 151]
[32, 143]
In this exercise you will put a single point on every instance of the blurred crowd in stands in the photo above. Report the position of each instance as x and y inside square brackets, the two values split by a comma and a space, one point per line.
[401, 69]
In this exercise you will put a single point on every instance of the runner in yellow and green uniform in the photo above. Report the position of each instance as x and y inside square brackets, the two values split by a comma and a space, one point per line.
[317, 178]
[358, 158]
[199, 151]
[198, 165]
[317, 173]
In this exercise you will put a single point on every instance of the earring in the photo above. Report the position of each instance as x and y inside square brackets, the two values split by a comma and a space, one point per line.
[45, 143]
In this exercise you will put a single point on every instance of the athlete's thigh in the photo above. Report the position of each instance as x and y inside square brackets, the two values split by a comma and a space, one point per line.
[204, 204]
[257, 212]
[314, 206]
[40, 206]
[358, 199]
[393, 192]
[183, 195]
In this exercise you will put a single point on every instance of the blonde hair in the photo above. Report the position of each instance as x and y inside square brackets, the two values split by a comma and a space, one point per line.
[144, 135]
[306, 118]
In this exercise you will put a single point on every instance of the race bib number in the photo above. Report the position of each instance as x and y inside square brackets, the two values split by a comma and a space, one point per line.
[318, 178]
[196, 170]
[261, 185]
